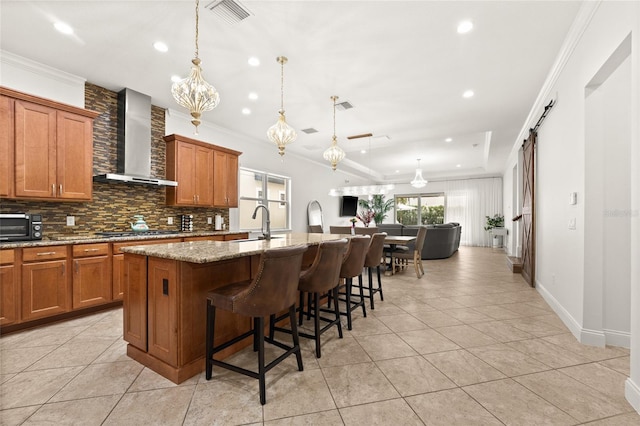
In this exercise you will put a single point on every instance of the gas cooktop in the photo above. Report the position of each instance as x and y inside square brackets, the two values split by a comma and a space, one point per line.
[135, 233]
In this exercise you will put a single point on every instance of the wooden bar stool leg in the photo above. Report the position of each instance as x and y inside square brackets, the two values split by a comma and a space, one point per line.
[301, 311]
[369, 270]
[379, 283]
[336, 309]
[258, 323]
[316, 322]
[211, 318]
[348, 282]
[364, 309]
[295, 337]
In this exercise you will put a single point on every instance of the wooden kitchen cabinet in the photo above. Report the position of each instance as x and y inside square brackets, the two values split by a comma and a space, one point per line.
[225, 178]
[9, 294]
[6, 146]
[45, 283]
[91, 275]
[51, 148]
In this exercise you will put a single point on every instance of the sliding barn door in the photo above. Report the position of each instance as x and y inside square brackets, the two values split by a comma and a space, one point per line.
[528, 211]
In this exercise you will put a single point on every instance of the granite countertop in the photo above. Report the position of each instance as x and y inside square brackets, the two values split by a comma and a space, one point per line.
[88, 239]
[213, 251]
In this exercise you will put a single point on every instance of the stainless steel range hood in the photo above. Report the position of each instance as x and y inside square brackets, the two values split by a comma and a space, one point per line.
[134, 142]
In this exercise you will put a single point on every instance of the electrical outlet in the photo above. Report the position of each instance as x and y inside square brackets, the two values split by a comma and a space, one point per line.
[71, 221]
[170, 220]
[209, 220]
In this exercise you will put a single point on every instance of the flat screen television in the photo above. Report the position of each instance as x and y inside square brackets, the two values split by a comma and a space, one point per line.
[348, 206]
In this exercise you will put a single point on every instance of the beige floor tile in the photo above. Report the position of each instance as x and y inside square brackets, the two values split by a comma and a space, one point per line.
[594, 353]
[508, 360]
[358, 384]
[501, 332]
[497, 312]
[472, 300]
[385, 346]
[427, 341]
[443, 303]
[577, 399]
[414, 375]
[17, 360]
[115, 353]
[467, 315]
[324, 418]
[222, 402]
[537, 328]
[160, 407]
[382, 308]
[368, 326]
[342, 352]
[548, 353]
[621, 365]
[16, 416]
[436, 318]
[35, 387]
[395, 411]
[73, 353]
[463, 367]
[92, 411]
[149, 380]
[514, 404]
[599, 378]
[450, 408]
[629, 419]
[466, 336]
[403, 322]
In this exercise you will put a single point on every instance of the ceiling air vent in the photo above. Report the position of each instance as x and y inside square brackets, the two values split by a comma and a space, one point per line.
[229, 10]
[344, 105]
[309, 130]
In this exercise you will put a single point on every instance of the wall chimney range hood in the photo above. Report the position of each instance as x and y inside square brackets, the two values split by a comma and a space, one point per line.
[134, 142]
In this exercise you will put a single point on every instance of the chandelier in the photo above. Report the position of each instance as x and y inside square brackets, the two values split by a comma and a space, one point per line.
[334, 154]
[193, 93]
[418, 181]
[281, 133]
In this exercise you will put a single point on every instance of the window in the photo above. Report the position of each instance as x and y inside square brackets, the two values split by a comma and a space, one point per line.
[253, 187]
[420, 209]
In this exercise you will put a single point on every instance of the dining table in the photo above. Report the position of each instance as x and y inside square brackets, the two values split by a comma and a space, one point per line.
[394, 241]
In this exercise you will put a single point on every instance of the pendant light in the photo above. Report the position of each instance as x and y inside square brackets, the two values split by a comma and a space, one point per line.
[193, 92]
[418, 181]
[334, 154]
[281, 133]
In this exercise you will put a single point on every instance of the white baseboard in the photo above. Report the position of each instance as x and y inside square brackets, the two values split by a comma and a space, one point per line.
[632, 393]
[573, 325]
[593, 337]
[618, 338]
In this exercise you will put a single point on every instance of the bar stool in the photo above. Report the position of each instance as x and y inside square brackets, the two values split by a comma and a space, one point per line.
[371, 261]
[352, 267]
[321, 277]
[274, 289]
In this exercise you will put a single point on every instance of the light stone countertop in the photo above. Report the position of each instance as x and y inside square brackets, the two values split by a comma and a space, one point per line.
[213, 251]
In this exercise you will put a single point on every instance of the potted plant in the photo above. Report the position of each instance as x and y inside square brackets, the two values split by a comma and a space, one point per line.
[493, 222]
[378, 205]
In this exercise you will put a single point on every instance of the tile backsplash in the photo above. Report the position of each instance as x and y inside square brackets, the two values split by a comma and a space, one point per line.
[114, 205]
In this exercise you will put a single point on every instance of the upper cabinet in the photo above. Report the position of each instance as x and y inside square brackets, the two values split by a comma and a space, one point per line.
[48, 147]
[207, 175]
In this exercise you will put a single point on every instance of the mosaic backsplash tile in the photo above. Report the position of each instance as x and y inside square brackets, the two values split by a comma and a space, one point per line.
[114, 205]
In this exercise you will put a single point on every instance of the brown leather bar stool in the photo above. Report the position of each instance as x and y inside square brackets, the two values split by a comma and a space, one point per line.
[352, 267]
[274, 289]
[320, 278]
[371, 261]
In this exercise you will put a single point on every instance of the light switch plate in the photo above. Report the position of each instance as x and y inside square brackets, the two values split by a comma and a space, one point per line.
[71, 221]
[209, 220]
[170, 220]
[572, 223]
[573, 198]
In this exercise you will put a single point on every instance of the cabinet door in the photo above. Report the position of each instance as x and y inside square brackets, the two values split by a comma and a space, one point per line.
[91, 281]
[225, 180]
[44, 289]
[134, 274]
[185, 174]
[204, 176]
[6, 146]
[74, 159]
[117, 288]
[35, 150]
[163, 310]
[8, 295]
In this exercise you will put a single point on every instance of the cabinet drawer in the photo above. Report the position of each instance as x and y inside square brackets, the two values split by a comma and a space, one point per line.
[6, 257]
[84, 250]
[118, 246]
[32, 254]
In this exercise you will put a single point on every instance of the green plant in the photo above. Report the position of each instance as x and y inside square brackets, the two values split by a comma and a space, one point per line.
[378, 206]
[497, 221]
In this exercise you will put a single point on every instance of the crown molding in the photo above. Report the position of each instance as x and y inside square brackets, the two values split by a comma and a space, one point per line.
[11, 59]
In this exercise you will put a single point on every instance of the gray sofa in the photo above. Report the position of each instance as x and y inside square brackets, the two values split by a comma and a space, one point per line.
[441, 240]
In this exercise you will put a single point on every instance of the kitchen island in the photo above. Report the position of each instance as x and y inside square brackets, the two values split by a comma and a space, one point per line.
[165, 297]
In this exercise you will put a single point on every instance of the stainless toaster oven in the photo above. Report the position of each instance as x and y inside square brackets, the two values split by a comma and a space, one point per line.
[20, 227]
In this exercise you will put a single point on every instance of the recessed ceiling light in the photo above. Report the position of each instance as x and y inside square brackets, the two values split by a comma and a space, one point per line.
[246, 111]
[448, 140]
[468, 94]
[63, 28]
[458, 165]
[253, 61]
[253, 96]
[465, 27]
[175, 78]
[363, 151]
[160, 46]
[397, 171]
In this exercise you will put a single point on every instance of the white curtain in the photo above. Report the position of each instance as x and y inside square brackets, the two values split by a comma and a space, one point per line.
[469, 202]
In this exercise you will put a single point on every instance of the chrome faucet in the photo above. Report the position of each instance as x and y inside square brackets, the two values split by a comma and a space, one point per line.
[265, 234]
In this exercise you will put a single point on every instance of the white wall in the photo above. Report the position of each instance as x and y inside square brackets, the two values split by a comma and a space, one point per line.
[569, 263]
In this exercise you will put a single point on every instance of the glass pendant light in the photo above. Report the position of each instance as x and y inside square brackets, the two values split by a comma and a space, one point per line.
[281, 133]
[418, 181]
[334, 154]
[193, 92]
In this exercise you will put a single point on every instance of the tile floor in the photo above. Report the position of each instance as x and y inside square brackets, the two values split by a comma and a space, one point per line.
[468, 344]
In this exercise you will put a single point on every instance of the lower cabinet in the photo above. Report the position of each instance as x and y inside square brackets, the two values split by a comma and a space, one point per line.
[9, 295]
[45, 283]
[91, 275]
[162, 316]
